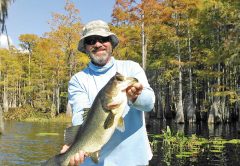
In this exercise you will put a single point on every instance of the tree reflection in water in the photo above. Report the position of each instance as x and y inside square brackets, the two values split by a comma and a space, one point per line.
[194, 144]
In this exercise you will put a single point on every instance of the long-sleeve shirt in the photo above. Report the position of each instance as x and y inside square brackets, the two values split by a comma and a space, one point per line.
[128, 148]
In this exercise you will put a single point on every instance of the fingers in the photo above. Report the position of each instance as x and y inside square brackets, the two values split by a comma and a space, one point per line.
[81, 156]
[74, 160]
[134, 91]
[64, 148]
[77, 159]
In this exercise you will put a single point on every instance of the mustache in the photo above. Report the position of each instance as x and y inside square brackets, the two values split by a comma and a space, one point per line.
[95, 49]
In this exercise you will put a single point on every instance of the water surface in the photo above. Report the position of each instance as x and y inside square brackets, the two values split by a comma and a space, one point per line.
[213, 153]
[25, 143]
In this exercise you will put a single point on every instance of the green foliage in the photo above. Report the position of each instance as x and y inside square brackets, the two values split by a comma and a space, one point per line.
[129, 45]
[20, 113]
[187, 146]
[60, 118]
[198, 39]
[39, 75]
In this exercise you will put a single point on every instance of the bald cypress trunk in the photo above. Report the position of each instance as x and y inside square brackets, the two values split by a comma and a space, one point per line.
[179, 114]
[5, 96]
[190, 107]
[1, 121]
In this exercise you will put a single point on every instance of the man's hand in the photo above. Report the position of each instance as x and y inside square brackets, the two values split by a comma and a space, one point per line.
[75, 160]
[134, 91]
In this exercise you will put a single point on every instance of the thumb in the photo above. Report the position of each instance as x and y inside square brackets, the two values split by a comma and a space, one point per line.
[64, 148]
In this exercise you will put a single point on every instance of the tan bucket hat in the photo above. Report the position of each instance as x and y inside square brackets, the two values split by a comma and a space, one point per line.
[96, 27]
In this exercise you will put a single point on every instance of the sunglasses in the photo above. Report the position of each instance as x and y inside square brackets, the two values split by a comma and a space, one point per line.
[93, 40]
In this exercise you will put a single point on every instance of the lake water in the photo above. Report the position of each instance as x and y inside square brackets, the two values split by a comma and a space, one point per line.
[221, 147]
[25, 143]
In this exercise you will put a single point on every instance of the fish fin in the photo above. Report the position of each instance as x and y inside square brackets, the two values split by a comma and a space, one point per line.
[85, 113]
[121, 125]
[109, 120]
[70, 133]
[95, 157]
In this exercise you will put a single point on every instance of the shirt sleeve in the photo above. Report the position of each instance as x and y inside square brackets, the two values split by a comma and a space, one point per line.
[78, 99]
[146, 100]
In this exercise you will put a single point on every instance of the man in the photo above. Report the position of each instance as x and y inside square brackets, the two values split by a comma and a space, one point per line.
[128, 148]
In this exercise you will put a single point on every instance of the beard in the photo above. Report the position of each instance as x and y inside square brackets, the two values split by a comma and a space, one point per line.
[102, 59]
[99, 60]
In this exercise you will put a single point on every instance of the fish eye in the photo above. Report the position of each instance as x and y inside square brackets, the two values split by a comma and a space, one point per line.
[119, 77]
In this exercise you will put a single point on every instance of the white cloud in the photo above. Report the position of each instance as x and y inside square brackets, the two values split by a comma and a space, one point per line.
[4, 41]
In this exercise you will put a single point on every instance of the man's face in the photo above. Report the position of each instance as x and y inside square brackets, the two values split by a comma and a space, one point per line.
[99, 49]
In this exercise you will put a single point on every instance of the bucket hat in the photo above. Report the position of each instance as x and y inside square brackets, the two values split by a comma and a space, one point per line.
[96, 27]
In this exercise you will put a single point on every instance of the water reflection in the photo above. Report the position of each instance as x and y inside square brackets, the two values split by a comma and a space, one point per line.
[21, 144]
[228, 130]
[214, 154]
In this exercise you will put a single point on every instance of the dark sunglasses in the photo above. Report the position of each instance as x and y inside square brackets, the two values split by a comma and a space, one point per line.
[93, 40]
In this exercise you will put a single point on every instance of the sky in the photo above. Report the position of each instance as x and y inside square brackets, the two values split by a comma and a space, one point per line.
[32, 16]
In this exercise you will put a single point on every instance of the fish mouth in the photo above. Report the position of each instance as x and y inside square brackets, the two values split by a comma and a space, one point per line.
[129, 81]
[120, 77]
[124, 82]
[135, 80]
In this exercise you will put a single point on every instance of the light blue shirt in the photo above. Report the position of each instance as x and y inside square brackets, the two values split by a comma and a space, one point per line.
[128, 148]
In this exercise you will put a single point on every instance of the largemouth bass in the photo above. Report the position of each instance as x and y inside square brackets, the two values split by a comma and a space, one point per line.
[100, 122]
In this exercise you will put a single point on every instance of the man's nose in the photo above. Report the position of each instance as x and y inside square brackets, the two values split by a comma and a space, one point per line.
[98, 43]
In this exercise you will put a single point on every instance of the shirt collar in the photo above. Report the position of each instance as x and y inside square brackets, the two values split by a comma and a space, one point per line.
[102, 69]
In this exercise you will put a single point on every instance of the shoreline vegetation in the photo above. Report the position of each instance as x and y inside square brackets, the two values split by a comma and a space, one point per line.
[188, 147]
[28, 114]
[190, 55]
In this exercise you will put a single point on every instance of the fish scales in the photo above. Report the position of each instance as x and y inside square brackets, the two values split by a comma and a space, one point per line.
[101, 120]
